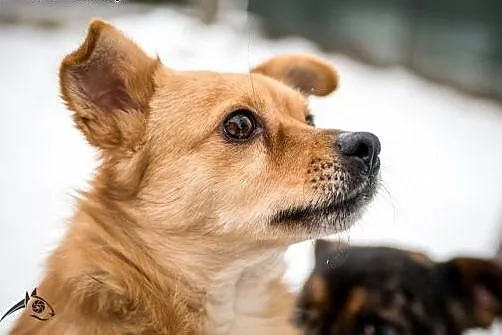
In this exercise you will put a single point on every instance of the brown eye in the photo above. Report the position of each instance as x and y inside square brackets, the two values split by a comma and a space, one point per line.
[240, 125]
[310, 120]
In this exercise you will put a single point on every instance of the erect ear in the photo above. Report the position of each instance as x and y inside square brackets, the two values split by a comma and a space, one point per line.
[323, 248]
[108, 82]
[309, 74]
[477, 285]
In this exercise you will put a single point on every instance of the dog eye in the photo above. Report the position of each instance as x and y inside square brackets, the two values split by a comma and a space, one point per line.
[310, 120]
[240, 125]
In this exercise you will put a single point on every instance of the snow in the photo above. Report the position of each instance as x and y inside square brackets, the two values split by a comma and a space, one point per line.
[441, 150]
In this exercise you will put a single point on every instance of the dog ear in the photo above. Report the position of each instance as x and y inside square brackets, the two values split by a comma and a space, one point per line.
[323, 248]
[312, 303]
[309, 74]
[476, 285]
[108, 82]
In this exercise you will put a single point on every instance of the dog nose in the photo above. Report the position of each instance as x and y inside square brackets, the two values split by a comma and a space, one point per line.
[362, 145]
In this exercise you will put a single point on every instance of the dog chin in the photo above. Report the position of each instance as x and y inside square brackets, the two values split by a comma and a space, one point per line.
[332, 216]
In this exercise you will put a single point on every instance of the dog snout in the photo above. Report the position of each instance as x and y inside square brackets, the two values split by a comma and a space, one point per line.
[363, 146]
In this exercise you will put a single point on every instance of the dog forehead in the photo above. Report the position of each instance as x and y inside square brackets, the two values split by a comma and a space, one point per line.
[247, 90]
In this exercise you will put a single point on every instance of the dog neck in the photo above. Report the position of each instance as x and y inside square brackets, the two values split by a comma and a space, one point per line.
[214, 286]
[238, 297]
[236, 282]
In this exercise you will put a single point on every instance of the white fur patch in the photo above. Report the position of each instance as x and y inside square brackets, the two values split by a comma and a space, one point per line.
[238, 296]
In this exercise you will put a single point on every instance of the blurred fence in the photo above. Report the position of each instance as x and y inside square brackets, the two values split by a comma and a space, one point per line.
[458, 42]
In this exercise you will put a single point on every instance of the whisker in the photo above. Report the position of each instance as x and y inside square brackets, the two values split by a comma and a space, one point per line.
[387, 196]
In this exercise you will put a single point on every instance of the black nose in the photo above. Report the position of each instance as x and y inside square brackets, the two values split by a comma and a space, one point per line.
[362, 145]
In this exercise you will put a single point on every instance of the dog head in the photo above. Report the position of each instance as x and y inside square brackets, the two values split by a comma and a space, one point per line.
[204, 153]
[380, 290]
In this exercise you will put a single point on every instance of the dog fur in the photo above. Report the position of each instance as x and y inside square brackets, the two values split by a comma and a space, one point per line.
[382, 290]
[183, 231]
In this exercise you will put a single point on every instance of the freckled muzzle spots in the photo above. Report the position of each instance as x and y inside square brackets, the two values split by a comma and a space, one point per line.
[340, 189]
[327, 177]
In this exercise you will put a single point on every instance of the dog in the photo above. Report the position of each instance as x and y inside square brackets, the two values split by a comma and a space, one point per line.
[387, 291]
[204, 181]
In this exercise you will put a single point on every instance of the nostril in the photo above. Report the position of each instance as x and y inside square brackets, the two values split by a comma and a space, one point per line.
[363, 151]
[362, 145]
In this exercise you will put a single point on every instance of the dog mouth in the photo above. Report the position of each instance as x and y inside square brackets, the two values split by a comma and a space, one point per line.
[335, 214]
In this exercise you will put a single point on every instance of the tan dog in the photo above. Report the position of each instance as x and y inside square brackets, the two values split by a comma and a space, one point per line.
[205, 180]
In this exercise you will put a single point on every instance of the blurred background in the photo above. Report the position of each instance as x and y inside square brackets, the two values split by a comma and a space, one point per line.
[424, 75]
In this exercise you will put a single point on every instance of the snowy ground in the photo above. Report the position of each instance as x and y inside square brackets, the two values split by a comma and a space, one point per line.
[441, 154]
